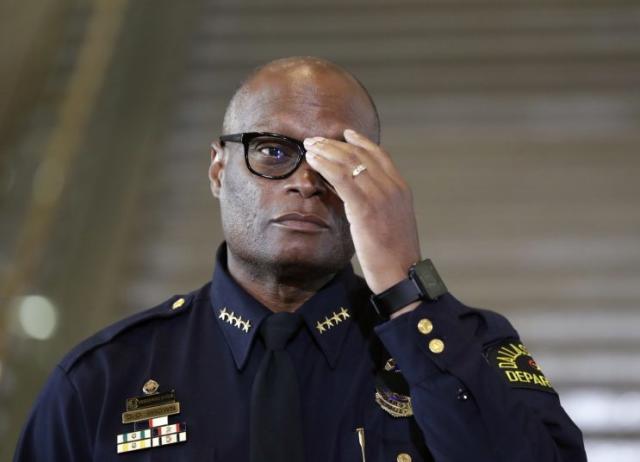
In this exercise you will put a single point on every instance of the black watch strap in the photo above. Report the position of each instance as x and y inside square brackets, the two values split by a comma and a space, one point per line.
[396, 297]
[423, 282]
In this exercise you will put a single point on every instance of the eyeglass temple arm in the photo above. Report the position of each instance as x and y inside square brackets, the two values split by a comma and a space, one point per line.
[237, 138]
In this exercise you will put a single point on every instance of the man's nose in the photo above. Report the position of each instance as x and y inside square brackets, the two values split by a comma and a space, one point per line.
[305, 181]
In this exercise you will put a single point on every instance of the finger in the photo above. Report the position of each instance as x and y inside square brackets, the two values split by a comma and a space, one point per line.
[353, 137]
[376, 178]
[337, 175]
[349, 156]
[383, 158]
[336, 151]
[358, 139]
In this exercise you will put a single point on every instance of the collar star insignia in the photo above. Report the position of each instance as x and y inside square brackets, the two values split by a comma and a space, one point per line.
[224, 315]
[234, 320]
[334, 320]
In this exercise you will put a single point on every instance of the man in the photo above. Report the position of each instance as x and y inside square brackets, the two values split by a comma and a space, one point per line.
[282, 355]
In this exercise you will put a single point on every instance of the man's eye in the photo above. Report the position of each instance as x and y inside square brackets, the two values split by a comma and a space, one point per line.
[273, 151]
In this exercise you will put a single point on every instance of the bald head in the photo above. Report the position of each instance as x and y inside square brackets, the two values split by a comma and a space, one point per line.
[287, 87]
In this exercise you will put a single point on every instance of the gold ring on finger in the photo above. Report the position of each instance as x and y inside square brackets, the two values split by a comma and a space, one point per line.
[358, 170]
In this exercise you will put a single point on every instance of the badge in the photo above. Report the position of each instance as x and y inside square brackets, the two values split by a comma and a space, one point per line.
[394, 404]
[517, 366]
[149, 415]
[392, 391]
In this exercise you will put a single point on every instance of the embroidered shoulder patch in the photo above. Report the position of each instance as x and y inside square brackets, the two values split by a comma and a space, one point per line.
[516, 365]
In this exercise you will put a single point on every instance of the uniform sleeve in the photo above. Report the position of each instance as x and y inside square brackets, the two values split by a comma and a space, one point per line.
[466, 408]
[56, 429]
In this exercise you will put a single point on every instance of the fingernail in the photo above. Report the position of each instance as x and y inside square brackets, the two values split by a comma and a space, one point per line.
[349, 132]
[312, 141]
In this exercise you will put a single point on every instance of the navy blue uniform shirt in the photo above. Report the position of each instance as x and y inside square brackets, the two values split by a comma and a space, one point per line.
[463, 385]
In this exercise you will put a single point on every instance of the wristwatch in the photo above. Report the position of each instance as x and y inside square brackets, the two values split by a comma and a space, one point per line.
[423, 283]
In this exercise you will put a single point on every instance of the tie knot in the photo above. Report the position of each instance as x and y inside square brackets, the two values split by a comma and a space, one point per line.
[279, 328]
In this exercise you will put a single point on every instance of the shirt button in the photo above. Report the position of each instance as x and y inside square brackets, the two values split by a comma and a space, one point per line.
[436, 346]
[425, 326]
[177, 304]
[403, 457]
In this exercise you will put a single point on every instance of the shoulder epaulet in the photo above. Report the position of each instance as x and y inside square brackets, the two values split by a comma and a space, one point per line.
[174, 306]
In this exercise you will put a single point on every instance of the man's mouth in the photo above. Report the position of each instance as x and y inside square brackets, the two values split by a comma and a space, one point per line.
[305, 222]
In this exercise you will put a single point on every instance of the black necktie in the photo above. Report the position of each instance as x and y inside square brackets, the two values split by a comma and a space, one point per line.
[276, 420]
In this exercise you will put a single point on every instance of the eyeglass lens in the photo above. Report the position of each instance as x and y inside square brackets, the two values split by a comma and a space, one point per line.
[273, 156]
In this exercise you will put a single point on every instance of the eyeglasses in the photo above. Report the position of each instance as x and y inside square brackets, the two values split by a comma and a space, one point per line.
[269, 155]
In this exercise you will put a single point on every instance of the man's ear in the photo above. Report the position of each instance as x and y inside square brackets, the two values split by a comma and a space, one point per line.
[216, 169]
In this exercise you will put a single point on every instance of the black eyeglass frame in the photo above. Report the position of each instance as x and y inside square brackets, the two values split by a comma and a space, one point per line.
[247, 137]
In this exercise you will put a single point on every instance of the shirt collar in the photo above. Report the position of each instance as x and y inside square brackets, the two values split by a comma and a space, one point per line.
[328, 314]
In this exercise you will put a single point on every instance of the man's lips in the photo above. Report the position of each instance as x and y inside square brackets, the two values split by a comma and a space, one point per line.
[301, 221]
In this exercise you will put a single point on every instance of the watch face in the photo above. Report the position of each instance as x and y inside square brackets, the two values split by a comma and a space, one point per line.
[427, 276]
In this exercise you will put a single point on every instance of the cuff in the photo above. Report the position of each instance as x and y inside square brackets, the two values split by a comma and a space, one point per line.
[428, 340]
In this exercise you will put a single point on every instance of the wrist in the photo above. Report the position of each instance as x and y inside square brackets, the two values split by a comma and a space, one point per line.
[387, 279]
[407, 309]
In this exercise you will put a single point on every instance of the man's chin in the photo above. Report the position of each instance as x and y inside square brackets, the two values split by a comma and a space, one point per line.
[308, 261]
[303, 258]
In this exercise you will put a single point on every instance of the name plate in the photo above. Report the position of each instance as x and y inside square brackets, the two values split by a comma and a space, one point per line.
[150, 412]
[151, 400]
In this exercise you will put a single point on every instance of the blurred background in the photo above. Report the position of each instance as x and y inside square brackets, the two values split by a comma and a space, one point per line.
[516, 123]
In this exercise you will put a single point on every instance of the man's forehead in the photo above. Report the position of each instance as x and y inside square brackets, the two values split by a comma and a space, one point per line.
[293, 126]
[303, 98]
